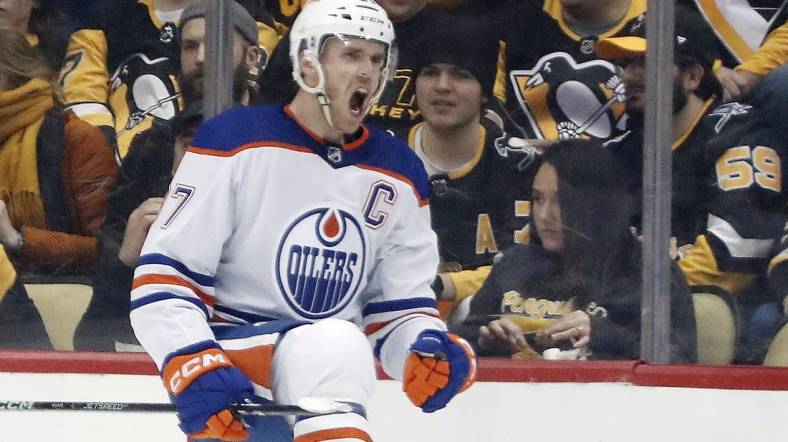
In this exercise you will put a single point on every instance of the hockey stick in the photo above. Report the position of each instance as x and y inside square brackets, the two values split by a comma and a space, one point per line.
[309, 406]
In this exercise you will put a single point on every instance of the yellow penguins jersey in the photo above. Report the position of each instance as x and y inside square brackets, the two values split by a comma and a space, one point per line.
[283, 11]
[120, 71]
[550, 79]
[482, 207]
[743, 196]
[740, 26]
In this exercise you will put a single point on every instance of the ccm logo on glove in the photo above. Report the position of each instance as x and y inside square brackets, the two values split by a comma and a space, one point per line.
[182, 370]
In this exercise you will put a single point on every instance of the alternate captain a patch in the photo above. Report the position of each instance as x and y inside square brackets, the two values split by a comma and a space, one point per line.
[320, 262]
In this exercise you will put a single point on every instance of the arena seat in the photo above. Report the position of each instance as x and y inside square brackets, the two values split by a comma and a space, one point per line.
[61, 302]
[717, 328]
[777, 356]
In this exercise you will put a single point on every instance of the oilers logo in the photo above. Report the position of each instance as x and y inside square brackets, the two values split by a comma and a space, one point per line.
[320, 262]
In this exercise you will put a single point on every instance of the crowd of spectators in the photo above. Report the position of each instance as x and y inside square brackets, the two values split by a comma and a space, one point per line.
[527, 115]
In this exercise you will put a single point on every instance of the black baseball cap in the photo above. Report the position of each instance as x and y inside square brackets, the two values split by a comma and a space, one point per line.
[693, 38]
[694, 42]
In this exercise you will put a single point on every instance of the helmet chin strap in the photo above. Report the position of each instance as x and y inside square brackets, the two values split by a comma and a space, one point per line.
[325, 106]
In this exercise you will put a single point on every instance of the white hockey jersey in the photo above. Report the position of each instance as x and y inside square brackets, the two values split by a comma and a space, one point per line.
[265, 221]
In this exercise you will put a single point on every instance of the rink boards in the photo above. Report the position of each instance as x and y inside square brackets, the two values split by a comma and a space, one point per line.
[514, 401]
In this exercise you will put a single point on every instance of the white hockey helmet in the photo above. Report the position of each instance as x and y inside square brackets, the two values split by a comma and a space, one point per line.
[321, 19]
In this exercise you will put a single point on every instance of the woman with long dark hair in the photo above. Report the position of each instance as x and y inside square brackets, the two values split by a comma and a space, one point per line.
[577, 284]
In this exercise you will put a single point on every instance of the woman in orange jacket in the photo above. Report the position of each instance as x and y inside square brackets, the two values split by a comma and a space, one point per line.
[55, 170]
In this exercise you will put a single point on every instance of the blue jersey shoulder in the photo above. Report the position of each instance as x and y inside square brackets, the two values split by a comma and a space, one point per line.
[242, 126]
[394, 155]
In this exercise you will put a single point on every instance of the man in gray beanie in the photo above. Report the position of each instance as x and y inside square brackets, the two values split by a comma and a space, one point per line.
[246, 51]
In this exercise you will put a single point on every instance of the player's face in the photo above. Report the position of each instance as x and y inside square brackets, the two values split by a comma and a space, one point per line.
[448, 96]
[401, 10]
[634, 77]
[352, 69]
[193, 54]
[17, 12]
[546, 208]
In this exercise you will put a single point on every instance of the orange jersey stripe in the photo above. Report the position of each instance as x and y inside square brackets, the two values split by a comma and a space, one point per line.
[255, 145]
[255, 363]
[334, 434]
[172, 280]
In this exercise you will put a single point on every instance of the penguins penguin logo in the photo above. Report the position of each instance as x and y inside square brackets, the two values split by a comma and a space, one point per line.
[150, 91]
[564, 99]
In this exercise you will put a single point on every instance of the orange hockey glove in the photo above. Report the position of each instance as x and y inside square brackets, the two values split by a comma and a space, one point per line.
[440, 366]
[203, 383]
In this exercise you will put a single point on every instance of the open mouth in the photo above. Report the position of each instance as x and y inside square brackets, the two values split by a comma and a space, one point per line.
[357, 100]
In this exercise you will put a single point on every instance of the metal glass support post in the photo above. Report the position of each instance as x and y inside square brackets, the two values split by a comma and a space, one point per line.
[218, 64]
[655, 314]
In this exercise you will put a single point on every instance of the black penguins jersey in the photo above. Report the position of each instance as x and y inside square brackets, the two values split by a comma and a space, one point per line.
[778, 266]
[688, 204]
[120, 70]
[743, 189]
[550, 79]
[483, 207]
[727, 194]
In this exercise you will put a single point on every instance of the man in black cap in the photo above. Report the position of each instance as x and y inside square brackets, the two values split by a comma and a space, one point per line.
[696, 92]
[727, 176]
[478, 173]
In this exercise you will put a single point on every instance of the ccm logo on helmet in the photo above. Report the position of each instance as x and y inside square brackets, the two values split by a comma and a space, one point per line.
[372, 19]
[195, 366]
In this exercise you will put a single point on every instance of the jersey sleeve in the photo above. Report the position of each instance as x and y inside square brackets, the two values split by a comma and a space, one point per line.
[745, 213]
[172, 295]
[401, 303]
[778, 266]
[771, 55]
[468, 282]
[84, 78]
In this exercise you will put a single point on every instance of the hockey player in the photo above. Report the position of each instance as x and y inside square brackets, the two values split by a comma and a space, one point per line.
[283, 225]
[120, 70]
[479, 175]
[395, 110]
